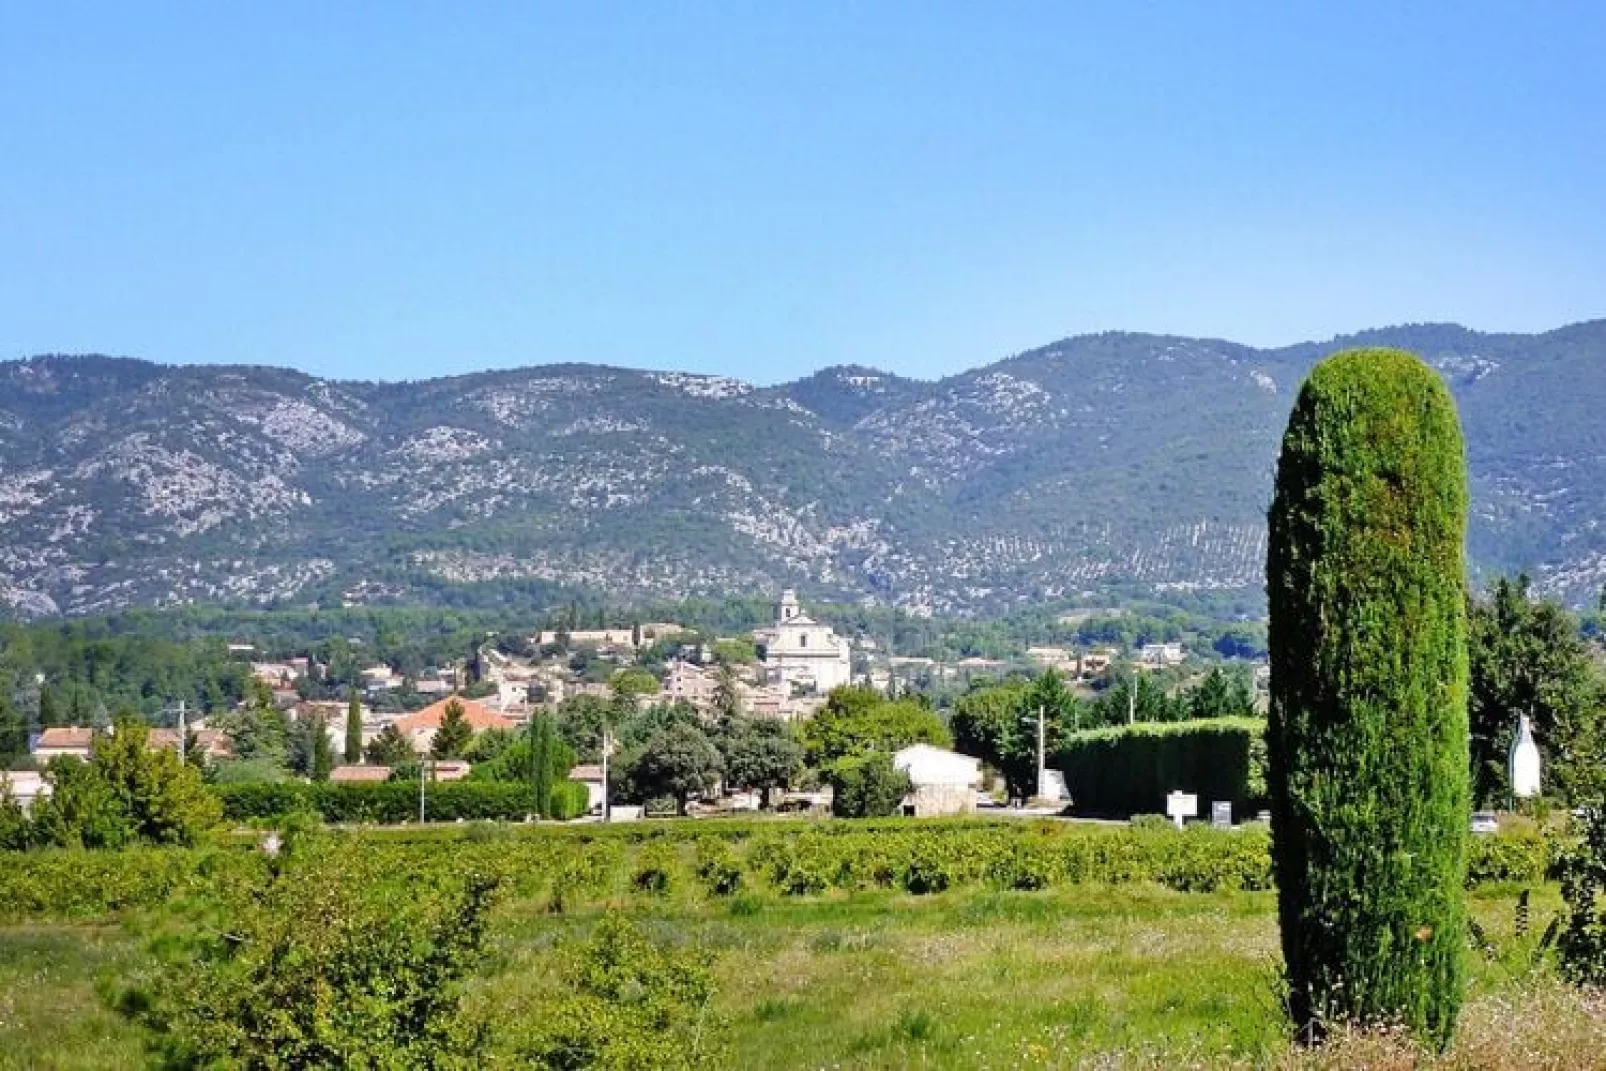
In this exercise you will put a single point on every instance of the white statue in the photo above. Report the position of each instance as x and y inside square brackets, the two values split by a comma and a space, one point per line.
[1524, 761]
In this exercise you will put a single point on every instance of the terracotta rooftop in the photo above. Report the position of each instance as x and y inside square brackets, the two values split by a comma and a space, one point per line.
[478, 716]
[65, 736]
[360, 773]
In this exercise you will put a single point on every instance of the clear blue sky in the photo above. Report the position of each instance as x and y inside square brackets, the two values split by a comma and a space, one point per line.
[387, 190]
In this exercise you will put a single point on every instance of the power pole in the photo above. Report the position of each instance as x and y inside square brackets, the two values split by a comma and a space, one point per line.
[1132, 699]
[183, 735]
[421, 790]
[1042, 757]
[605, 749]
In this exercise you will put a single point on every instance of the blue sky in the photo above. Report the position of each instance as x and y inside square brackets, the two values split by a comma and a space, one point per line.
[760, 189]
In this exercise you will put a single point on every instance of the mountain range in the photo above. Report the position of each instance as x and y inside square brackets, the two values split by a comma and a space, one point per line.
[1102, 462]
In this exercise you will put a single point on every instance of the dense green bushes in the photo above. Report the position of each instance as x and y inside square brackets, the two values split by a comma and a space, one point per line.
[393, 802]
[1367, 733]
[1119, 772]
[865, 786]
[577, 865]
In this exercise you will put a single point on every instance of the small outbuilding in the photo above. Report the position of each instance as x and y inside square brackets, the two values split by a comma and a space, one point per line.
[942, 782]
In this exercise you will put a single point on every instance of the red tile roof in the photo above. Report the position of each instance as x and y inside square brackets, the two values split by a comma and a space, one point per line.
[360, 773]
[478, 716]
[65, 737]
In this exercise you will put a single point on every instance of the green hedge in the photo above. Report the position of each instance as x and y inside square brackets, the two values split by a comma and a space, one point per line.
[396, 801]
[1130, 769]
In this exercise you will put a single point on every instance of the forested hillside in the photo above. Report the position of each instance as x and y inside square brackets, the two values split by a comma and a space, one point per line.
[1109, 462]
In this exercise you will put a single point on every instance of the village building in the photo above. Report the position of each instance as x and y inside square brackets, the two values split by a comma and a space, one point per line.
[356, 774]
[213, 743]
[942, 782]
[23, 787]
[1161, 655]
[419, 728]
[590, 775]
[803, 652]
[70, 740]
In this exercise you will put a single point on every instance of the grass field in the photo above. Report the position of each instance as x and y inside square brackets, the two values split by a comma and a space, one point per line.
[1118, 976]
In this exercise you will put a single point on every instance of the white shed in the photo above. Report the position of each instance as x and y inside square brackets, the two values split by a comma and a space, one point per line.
[943, 781]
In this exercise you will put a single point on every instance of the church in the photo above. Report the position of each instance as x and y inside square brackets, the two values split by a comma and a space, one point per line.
[801, 651]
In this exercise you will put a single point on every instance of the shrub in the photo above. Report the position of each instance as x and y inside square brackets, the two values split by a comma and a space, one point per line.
[330, 965]
[1581, 944]
[866, 786]
[1129, 769]
[629, 1003]
[718, 868]
[1367, 735]
[654, 871]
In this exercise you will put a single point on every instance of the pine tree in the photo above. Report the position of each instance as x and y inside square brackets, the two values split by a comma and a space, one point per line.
[454, 734]
[13, 732]
[353, 728]
[1367, 735]
[49, 715]
[389, 748]
[323, 752]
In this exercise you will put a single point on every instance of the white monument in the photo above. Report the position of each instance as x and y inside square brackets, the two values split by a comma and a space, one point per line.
[1524, 761]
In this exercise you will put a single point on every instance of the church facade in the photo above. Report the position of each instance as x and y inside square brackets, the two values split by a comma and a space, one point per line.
[801, 651]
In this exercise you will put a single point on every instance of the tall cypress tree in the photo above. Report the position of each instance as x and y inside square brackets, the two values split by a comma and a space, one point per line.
[542, 738]
[353, 728]
[1367, 736]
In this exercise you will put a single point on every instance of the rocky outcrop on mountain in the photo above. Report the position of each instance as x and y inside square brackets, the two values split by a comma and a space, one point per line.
[1114, 460]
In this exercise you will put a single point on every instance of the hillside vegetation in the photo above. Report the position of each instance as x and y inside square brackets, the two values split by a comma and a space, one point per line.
[1107, 462]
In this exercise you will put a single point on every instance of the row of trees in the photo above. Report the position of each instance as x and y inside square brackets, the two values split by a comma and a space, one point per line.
[998, 722]
[126, 794]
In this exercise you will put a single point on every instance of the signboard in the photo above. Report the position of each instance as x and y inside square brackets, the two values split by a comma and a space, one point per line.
[1181, 805]
[1221, 814]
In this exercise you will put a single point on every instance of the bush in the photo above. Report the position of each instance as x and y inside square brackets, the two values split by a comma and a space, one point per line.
[1129, 769]
[332, 964]
[1367, 734]
[1581, 945]
[866, 786]
[718, 868]
[628, 1003]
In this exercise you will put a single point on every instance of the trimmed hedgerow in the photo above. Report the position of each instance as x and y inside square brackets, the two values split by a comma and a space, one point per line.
[395, 801]
[1128, 769]
[1367, 734]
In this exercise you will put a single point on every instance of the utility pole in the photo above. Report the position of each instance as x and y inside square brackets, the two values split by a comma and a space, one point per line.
[421, 762]
[606, 747]
[1042, 757]
[1132, 698]
[183, 735]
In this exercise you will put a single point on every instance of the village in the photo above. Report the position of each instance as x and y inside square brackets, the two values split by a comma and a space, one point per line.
[780, 675]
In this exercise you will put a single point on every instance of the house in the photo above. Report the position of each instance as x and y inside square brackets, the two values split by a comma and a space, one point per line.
[598, 637]
[354, 774]
[420, 727]
[213, 743]
[800, 650]
[23, 786]
[447, 770]
[276, 674]
[1157, 655]
[590, 775]
[62, 740]
[942, 781]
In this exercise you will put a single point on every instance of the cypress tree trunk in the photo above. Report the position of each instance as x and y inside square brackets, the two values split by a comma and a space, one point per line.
[1367, 736]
